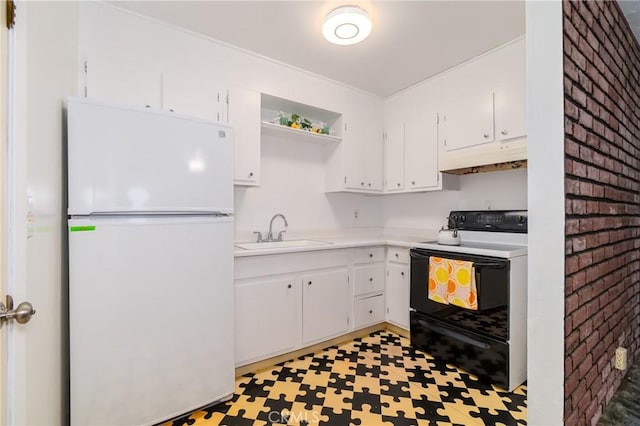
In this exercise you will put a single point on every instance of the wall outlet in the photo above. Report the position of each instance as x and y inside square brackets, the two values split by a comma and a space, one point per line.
[621, 358]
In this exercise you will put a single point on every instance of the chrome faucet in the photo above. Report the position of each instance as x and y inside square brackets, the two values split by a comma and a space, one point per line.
[270, 234]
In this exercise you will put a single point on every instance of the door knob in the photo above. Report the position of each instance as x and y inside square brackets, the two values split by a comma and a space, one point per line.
[22, 314]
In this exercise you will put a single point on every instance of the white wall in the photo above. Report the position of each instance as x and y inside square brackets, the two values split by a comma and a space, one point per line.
[506, 190]
[293, 184]
[545, 121]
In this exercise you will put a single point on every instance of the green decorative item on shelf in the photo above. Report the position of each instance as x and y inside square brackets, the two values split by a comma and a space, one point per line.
[301, 123]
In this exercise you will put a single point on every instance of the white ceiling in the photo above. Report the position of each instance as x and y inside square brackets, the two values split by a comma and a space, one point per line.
[410, 40]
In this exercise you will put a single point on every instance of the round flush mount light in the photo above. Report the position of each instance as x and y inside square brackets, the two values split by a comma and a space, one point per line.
[346, 25]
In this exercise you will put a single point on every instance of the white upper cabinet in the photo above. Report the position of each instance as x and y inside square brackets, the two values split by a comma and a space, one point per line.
[421, 151]
[510, 112]
[468, 121]
[241, 110]
[363, 161]
[186, 95]
[357, 164]
[411, 145]
[394, 157]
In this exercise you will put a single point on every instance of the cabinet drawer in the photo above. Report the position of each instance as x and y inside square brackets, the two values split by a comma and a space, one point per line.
[368, 279]
[368, 254]
[398, 255]
[369, 311]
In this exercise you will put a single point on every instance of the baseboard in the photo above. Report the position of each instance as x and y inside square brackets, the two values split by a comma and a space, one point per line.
[397, 330]
[271, 362]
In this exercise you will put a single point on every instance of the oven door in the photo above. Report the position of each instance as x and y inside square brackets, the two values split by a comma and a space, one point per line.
[492, 284]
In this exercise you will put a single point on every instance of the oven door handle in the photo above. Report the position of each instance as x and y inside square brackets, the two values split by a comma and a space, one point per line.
[455, 335]
[489, 265]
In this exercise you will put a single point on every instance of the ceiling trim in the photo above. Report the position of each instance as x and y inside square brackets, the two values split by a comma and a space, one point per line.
[240, 49]
[461, 64]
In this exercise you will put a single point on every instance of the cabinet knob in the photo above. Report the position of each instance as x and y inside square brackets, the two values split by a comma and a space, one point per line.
[370, 254]
[309, 283]
[504, 132]
[396, 254]
[289, 286]
[370, 279]
[361, 183]
[486, 135]
[413, 182]
[370, 311]
[402, 273]
[147, 106]
[251, 174]
[398, 184]
[369, 183]
[171, 110]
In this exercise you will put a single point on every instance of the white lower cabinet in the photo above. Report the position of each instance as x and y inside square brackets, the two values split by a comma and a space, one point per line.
[265, 317]
[368, 288]
[397, 289]
[287, 301]
[397, 293]
[325, 310]
[368, 278]
[368, 311]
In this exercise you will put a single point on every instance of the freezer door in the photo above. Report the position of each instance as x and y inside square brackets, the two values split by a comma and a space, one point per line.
[150, 317]
[143, 160]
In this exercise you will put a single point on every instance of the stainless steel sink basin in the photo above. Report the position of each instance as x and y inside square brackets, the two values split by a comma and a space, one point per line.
[280, 244]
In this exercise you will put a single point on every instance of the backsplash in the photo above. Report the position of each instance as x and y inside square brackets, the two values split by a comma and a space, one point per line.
[501, 190]
[293, 184]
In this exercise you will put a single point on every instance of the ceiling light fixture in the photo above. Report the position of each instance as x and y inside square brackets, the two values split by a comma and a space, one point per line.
[346, 25]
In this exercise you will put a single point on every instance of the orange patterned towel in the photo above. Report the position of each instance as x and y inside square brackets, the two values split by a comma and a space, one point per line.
[452, 282]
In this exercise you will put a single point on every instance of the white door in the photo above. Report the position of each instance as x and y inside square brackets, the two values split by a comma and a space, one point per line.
[44, 66]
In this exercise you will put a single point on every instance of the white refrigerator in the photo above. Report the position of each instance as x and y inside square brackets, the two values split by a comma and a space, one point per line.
[150, 205]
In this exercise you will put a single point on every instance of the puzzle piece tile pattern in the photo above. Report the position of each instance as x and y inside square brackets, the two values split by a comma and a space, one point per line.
[372, 381]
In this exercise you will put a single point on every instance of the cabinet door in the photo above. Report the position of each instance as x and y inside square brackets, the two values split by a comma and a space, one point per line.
[185, 94]
[368, 311]
[368, 278]
[510, 104]
[468, 122]
[124, 78]
[421, 151]
[353, 164]
[242, 111]
[394, 158]
[264, 318]
[363, 154]
[325, 310]
[397, 295]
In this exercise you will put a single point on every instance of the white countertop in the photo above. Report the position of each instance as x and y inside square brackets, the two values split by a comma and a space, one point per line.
[339, 242]
[402, 238]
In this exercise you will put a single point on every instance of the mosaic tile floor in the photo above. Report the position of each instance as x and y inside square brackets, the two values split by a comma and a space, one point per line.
[376, 380]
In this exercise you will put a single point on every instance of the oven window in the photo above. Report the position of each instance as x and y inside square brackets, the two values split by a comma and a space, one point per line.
[492, 282]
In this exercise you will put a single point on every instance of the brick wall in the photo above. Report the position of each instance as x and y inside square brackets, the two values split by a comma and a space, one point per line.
[602, 146]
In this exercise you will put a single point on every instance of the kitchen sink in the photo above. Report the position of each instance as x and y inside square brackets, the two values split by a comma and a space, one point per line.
[280, 244]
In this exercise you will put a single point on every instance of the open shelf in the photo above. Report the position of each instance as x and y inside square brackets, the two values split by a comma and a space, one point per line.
[272, 105]
[300, 135]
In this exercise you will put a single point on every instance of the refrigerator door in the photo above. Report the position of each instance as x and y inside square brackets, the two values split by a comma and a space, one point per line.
[151, 317]
[142, 160]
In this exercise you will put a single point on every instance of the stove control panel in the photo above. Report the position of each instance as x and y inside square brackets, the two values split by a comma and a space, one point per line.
[489, 220]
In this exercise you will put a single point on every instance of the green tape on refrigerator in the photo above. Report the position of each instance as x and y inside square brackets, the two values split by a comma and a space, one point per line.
[82, 228]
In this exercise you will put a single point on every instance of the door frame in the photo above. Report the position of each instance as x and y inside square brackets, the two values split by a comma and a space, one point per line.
[4, 122]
